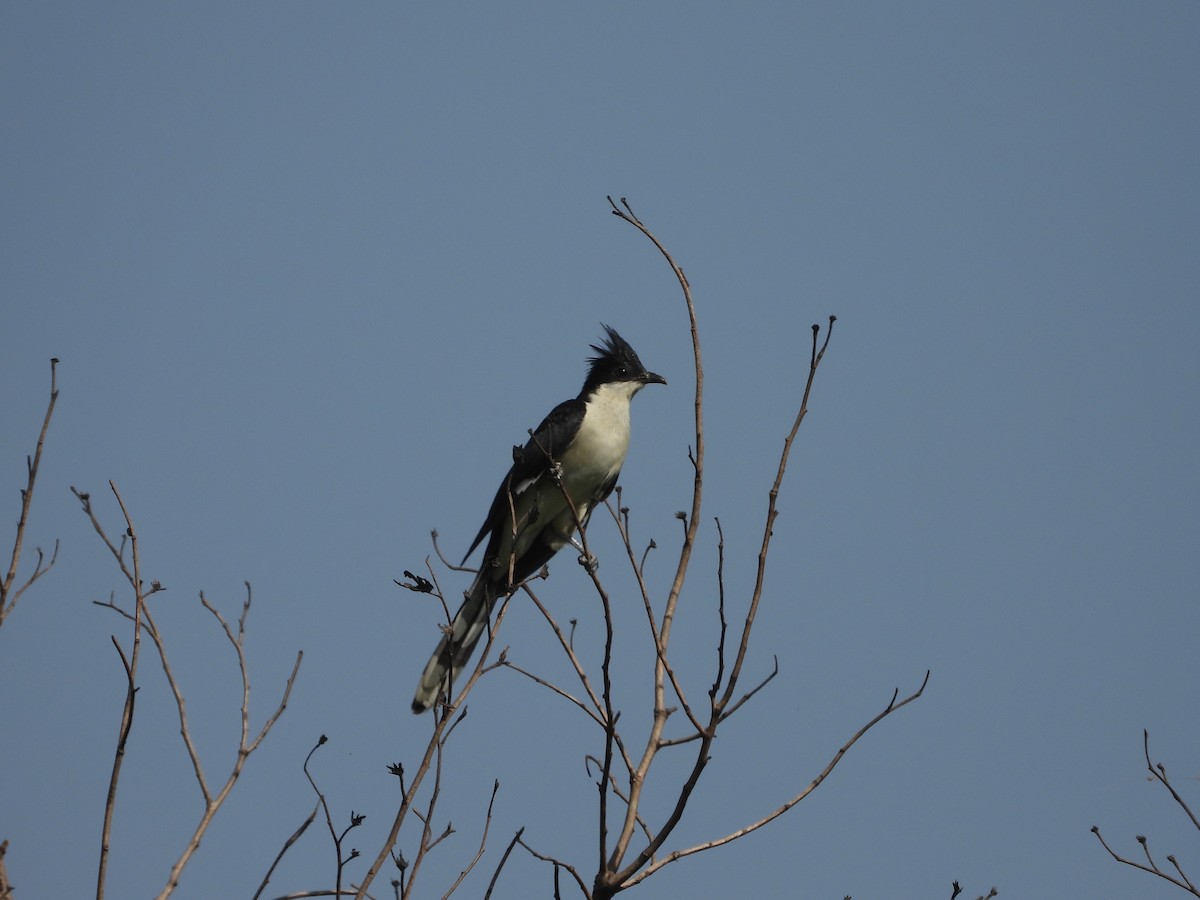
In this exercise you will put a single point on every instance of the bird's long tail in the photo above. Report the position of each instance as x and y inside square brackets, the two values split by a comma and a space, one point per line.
[457, 645]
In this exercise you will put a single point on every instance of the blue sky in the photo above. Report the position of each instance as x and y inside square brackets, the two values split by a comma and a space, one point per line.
[311, 271]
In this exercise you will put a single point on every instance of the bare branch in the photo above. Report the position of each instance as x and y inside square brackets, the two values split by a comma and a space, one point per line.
[1158, 773]
[444, 721]
[110, 803]
[892, 707]
[614, 873]
[8, 596]
[772, 513]
[550, 686]
[336, 836]
[659, 644]
[287, 845]
[245, 747]
[724, 629]
[596, 705]
[130, 665]
[558, 864]
[143, 621]
[740, 702]
[692, 523]
[487, 824]
[503, 859]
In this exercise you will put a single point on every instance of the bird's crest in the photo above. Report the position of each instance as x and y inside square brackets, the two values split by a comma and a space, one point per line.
[615, 360]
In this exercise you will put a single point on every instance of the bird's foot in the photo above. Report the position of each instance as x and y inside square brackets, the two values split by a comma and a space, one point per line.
[589, 562]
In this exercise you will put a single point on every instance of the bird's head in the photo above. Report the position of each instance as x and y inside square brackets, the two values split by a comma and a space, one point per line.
[615, 362]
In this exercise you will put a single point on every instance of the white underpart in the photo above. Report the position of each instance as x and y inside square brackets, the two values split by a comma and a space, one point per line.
[599, 448]
[594, 457]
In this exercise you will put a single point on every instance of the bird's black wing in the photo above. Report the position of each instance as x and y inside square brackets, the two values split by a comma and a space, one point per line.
[549, 441]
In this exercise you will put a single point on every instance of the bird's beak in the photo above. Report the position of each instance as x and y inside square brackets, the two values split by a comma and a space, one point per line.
[653, 378]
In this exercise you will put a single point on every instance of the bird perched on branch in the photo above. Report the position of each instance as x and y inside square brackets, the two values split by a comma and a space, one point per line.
[569, 465]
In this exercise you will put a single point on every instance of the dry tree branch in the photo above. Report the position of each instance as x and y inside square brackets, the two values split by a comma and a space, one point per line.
[1158, 772]
[558, 864]
[595, 711]
[555, 689]
[589, 760]
[487, 824]
[143, 621]
[769, 525]
[446, 717]
[8, 596]
[660, 646]
[619, 865]
[428, 842]
[611, 861]
[503, 859]
[355, 820]
[287, 845]
[130, 664]
[246, 746]
[891, 707]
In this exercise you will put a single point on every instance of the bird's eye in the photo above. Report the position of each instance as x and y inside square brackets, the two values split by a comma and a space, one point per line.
[622, 371]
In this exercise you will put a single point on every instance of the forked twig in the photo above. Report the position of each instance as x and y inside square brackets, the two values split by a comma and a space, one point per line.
[337, 837]
[143, 621]
[130, 665]
[557, 863]
[772, 515]
[891, 707]
[8, 596]
[446, 717]
[487, 824]
[611, 860]
[246, 745]
[1158, 772]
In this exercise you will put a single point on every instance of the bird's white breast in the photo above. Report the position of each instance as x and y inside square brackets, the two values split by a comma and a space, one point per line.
[598, 451]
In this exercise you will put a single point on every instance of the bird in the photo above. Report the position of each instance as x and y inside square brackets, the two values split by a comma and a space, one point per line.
[577, 451]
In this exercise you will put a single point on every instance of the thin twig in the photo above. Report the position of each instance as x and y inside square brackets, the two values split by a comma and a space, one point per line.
[130, 665]
[659, 645]
[287, 845]
[335, 836]
[443, 725]
[1158, 772]
[557, 863]
[772, 514]
[245, 746]
[9, 597]
[891, 707]
[503, 859]
[487, 824]
[596, 706]
[613, 860]
[595, 712]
